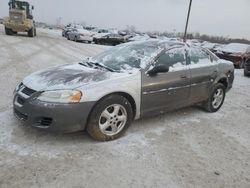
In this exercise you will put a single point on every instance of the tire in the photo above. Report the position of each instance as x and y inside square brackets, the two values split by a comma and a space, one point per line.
[104, 114]
[75, 39]
[68, 37]
[211, 105]
[246, 73]
[8, 31]
[35, 32]
[31, 32]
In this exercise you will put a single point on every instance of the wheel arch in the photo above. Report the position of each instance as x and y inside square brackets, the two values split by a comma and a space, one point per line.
[124, 94]
[224, 81]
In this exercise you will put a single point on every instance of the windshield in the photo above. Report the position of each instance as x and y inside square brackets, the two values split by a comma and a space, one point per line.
[129, 56]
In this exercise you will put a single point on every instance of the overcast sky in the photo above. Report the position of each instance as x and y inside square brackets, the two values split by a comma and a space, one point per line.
[215, 17]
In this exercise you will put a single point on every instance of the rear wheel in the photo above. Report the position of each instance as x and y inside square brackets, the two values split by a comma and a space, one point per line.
[8, 31]
[110, 118]
[246, 73]
[35, 32]
[216, 99]
[31, 32]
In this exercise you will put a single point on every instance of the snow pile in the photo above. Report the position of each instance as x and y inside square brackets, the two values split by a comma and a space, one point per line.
[51, 32]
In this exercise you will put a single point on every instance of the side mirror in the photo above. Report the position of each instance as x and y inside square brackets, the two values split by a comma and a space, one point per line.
[158, 69]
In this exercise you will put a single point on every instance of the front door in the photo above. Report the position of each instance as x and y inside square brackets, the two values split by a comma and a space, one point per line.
[166, 91]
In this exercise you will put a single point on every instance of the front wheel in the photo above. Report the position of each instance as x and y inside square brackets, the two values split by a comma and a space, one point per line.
[216, 99]
[31, 32]
[110, 118]
[8, 31]
[35, 32]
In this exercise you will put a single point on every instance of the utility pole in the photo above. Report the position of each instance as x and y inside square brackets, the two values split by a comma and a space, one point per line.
[185, 34]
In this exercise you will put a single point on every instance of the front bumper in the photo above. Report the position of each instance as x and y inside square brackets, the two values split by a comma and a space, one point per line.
[16, 26]
[85, 38]
[230, 80]
[53, 117]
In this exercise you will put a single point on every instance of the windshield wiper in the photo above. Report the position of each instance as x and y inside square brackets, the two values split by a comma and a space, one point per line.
[102, 66]
[92, 64]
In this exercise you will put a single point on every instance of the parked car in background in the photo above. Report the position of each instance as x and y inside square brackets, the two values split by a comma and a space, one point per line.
[89, 28]
[247, 67]
[99, 33]
[69, 28]
[81, 35]
[139, 37]
[211, 46]
[104, 94]
[110, 39]
[66, 30]
[235, 52]
[195, 42]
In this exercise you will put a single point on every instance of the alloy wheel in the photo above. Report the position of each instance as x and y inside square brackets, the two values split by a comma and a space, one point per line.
[217, 98]
[113, 119]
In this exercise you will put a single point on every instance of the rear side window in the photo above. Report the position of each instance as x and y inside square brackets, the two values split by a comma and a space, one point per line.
[172, 58]
[198, 56]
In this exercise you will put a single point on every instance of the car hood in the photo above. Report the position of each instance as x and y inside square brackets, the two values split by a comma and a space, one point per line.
[68, 76]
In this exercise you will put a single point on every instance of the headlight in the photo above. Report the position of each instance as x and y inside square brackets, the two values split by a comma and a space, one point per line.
[18, 87]
[61, 96]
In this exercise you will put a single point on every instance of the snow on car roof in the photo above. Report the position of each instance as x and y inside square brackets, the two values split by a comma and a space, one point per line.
[236, 48]
[161, 42]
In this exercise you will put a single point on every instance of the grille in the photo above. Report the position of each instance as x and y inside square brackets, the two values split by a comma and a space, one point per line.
[28, 91]
[16, 16]
[45, 121]
[20, 115]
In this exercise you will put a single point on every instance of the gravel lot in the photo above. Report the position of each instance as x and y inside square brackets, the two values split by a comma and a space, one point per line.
[186, 148]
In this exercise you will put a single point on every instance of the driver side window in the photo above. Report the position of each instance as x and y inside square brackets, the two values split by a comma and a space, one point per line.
[173, 59]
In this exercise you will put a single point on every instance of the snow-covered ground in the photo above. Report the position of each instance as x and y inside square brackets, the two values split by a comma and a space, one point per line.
[186, 148]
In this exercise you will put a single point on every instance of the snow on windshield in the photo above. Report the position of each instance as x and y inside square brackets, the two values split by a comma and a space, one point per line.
[129, 56]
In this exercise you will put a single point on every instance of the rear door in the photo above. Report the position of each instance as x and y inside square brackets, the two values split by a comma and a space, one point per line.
[166, 91]
[204, 70]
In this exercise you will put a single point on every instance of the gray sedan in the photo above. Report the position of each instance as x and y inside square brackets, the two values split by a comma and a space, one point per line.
[104, 94]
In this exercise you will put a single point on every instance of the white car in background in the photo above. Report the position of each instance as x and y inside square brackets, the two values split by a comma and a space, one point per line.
[139, 37]
[99, 33]
[80, 34]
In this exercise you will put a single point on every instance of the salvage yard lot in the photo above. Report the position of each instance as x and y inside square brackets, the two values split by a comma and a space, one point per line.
[185, 148]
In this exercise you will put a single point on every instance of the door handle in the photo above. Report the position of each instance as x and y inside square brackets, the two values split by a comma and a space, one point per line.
[183, 76]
